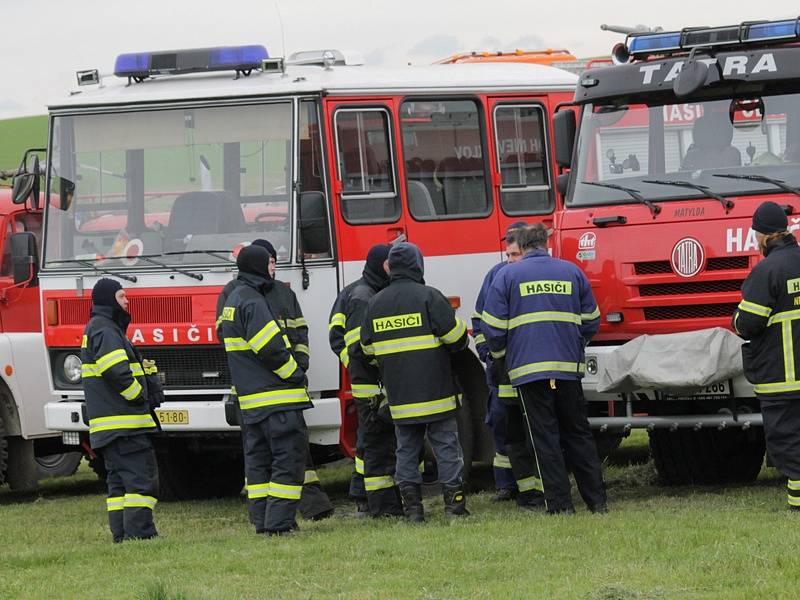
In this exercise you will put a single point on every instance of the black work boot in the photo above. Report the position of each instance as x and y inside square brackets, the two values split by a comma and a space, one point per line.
[412, 499]
[455, 501]
[531, 500]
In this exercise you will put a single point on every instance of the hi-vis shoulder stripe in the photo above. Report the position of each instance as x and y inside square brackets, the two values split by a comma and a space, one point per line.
[337, 320]
[455, 333]
[264, 335]
[756, 309]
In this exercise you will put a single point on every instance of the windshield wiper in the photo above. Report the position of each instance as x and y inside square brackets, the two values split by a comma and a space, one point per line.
[86, 263]
[215, 253]
[728, 204]
[635, 194]
[146, 258]
[763, 179]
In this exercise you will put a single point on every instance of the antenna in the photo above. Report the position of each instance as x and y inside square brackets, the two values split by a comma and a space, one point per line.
[280, 20]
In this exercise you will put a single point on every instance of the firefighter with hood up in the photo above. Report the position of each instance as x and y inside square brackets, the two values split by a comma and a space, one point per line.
[314, 502]
[375, 441]
[539, 315]
[411, 330]
[119, 414]
[767, 317]
[270, 386]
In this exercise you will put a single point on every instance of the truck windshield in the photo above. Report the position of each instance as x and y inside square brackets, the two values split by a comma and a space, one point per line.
[702, 143]
[173, 183]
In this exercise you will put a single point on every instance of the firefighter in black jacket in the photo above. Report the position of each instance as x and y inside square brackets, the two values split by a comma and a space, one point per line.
[411, 329]
[375, 443]
[119, 414]
[271, 391]
[768, 318]
[314, 502]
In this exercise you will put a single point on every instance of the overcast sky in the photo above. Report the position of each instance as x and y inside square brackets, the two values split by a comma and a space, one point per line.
[43, 42]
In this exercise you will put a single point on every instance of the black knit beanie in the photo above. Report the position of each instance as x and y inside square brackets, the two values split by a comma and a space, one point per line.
[376, 256]
[267, 246]
[770, 218]
[254, 260]
[104, 292]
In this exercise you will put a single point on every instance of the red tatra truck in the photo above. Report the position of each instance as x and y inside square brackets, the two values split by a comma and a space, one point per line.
[158, 176]
[676, 146]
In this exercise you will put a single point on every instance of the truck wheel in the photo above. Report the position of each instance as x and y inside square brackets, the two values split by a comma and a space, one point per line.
[606, 443]
[475, 437]
[58, 465]
[185, 474]
[21, 471]
[3, 452]
[708, 456]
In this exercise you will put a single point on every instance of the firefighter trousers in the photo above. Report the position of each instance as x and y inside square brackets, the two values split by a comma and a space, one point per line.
[497, 420]
[378, 448]
[275, 452]
[520, 454]
[314, 501]
[357, 491]
[132, 487]
[556, 415]
[782, 433]
[443, 438]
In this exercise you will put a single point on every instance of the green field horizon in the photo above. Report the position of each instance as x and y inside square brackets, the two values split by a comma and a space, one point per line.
[17, 135]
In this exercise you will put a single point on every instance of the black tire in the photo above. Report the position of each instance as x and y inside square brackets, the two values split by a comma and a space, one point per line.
[58, 465]
[3, 452]
[184, 474]
[606, 442]
[708, 456]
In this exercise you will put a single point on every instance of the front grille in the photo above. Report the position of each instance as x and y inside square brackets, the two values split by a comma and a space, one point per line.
[691, 287]
[723, 263]
[143, 309]
[184, 366]
[689, 311]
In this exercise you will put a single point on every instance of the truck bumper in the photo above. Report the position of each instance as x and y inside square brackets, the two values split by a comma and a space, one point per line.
[324, 420]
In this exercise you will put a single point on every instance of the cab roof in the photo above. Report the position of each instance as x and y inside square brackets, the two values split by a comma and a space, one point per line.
[338, 80]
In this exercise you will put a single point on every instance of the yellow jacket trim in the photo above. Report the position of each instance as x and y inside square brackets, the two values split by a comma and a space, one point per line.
[455, 333]
[344, 357]
[107, 361]
[236, 344]
[408, 344]
[506, 391]
[756, 309]
[301, 348]
[480, 339]
[120, 422]
[494, 321]
[132, 391]
[263, 337]
[352, 336]
[551, 365]
[286, 370]
[423, 409]
[544, 316]
[337, 320]
[595, 314]
[365, 390]
[273, 398]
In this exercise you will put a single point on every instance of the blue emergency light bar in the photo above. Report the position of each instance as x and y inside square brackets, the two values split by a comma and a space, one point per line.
[749, 32]
[141, 65]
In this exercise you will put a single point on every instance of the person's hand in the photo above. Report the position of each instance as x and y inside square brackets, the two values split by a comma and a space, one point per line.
[497, 372]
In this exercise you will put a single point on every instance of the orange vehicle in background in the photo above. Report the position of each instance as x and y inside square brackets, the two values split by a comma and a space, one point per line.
[548, 56]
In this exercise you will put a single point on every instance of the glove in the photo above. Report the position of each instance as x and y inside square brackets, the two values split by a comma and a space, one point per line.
[379, 409]
[497, 372]
[155, 391]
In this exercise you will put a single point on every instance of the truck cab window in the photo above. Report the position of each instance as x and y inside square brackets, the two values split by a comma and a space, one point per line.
[365, 164]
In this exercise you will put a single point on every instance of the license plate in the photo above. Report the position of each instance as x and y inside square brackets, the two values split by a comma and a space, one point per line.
[173, 417]
[716, 391]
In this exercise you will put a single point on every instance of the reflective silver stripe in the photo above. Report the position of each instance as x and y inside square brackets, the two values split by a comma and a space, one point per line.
[287, 492]
[337, 320]
[359, 465]
[120, 422]
[286, 370]
[530, 483]
[381, 482]
[756, 309]
[273, 398]
[498, 353]
[506, 391]
[541, 367]
[107, 361]
[501, 461]
[140, 501]
[344, 357]
[793, 484]
[422, 409]
[264, 335]
[257, 490]
[480, 339]
[595, 314]
[132, 391]
[408, 344]
[365, 390]
[793, 500]
[494, 321]
[115, 503]
[236, 344]
[310, 477]
[455, 333]
[301, 348]
[295, 323]
[352, 336]
[546, 316]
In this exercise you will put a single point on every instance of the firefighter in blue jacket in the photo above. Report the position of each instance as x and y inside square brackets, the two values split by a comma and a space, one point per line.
[119, 414]
[539, 315]
[515, 471]
[272, 396]
[767, 317]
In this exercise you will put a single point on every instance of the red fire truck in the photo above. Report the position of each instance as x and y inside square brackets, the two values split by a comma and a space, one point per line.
[676, 146]
[28, 449]
[158, 176]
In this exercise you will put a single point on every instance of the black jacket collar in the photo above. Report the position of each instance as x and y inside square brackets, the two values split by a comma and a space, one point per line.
[787, 241]
[114, 314]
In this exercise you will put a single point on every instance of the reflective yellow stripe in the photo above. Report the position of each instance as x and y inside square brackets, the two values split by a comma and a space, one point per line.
[365, 390]
[422, 409]
[476, 315]
[352, 336]
[786, 315]
[788, 351]
[295, 323]
[257, 490]
[793, 500]
[301, 348]
[337, 320]
[541, 367]
[530, 483]
[286, 370]
[756, 309]
[287, 492]
[264, 335]
[494, 321]
[455, 333]
[359, 465]
[107, 361]
[274, 398]
[480, 339]
[140, 501]
[236, 344]
[88, 370]
[793, 484]
[595, 314]
[507, 391]
[136, 369]
[382, 482]
[115, 503]
[132, 391]
[408, 344]
[120, 422]
[501, 461]
[344, 357]
[310, 477]
[85, 342]
[548, 316]
[778, 387]
[498, 353]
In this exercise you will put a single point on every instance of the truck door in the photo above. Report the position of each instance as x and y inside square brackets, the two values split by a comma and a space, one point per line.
[19, 309]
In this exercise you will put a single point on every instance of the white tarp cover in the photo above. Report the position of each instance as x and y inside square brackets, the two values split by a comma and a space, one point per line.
[672, 362]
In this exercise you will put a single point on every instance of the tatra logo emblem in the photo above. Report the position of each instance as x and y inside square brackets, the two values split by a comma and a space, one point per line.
[688, 257]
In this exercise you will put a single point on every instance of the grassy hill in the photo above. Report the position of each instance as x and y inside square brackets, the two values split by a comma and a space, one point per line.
[17, 135]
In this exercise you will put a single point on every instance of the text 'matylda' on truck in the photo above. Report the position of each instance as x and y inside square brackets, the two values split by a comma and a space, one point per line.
[676, 146]
[159, 176]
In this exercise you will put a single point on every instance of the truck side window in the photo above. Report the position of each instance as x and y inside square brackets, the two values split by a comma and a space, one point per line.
[366, 166]
[5, 267]
[444, 158]
[310, 171]
[522, 160]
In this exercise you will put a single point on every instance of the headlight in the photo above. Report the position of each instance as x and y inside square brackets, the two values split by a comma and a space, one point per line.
[591, 365]
[72, 368]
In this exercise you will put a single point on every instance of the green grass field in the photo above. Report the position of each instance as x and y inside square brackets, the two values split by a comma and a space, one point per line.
[17, 135]
[657, 542]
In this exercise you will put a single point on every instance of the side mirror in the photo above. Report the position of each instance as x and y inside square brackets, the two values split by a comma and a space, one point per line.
[562, 183]
[564, 126]
[313, 223]
[26, 259]
[66, 192]
[26, 184]
[691, 78]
